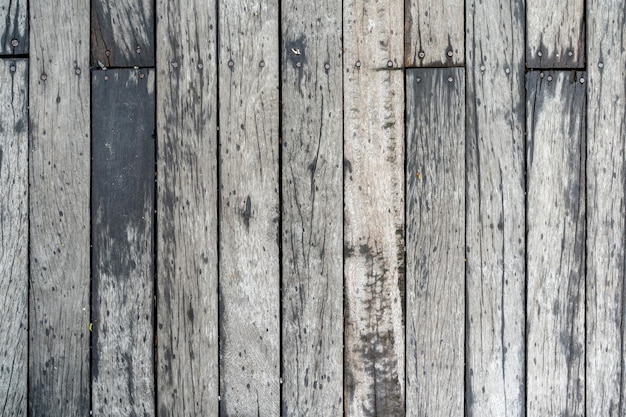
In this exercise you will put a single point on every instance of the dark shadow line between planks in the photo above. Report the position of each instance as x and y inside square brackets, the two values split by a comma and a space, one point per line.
[155, 222]
[524, 107]
[14, 56]
[586, 223]
[466, 184]
[279, 236]
[343, 220]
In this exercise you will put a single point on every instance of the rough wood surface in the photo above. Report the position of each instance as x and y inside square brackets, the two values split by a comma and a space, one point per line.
[556, 243]
[122, 211]
[13, 237]
[312, 214]
[13, 27]
[188, 382]
[374, 208]
[434, 33]
[435, 242]
[495, 228]
[606, 199]
[249, 208]
[555, 33]
[59, 159]
[122, 33]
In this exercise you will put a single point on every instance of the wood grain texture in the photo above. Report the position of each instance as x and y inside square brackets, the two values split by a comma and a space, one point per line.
[312, 214]
[187, 326]
[124, 28]
[555, 34]
[59, 103]
[13, 27]
[495, 227]
[122, 211]
[435, 242]
[13, 237]
[556, 243]
[249, 208]
[434, 33]
[606, 221]
[373, 208]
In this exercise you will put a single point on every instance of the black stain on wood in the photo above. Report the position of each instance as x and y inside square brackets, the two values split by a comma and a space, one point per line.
[247, 213]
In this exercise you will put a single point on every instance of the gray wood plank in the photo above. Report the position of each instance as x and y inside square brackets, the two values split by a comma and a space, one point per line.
[122, 33]
[606, 199]
[187, 326]
[434, 33]
[312, 214]
[374, 208]
[13, 27]
[435, 242]
[13, 237]
[556, 243]
[122, 211]
[249, 280]
[495, 204]
[59, 103]
[555, 33]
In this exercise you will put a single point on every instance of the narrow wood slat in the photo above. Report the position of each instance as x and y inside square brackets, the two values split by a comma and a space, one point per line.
[13, 27]
[606, 220]
[249, 279]
[188, 382]
[435, 241]
[59, 159]
[374, 208]
[122, 33]
[556, 243]
[122, 211]
[312, 214]
[13, 237]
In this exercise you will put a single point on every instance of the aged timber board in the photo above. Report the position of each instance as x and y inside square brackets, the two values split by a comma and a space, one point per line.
[13, 27]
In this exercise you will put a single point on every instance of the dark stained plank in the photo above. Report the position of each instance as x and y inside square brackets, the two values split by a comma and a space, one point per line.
[556, 243]
[187, 327]
[122, 211]
[13, 27]
[495, 206]
[435, 242]
[59, 103]
[249, 280]
[122, 33]
[606, 199]
[555, 33]
[13, 237]
[374, 208]
[434, 33]
[312, 214]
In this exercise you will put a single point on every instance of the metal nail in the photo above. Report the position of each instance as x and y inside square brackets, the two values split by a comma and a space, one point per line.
[418, 80]
[582, 80]
[549, 78]
[44, 76]
[539, 53]
[327, 66]
[14, 42]
[450, 79]
[298, 64]
[231, 63]
[357, 64]
[421, 54]
[262, 64]
[107, 52]
[450, 54]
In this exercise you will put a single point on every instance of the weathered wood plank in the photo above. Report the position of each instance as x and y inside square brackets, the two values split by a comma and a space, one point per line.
[187, 326]
[122, 33]
[122, 211]
[555, 33]
[249, 280]
[312, 214]
[59, 103]
[13, 27]
[435, 242]
[434, 33]
[495, 226]
[556, 243]
[606, 199]
[13, 237]
[374, 208]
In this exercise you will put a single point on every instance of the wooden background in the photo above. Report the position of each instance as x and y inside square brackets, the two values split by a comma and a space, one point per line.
[312, 208]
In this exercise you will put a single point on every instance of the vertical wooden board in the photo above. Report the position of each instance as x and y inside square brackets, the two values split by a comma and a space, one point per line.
[556, 243]
[122, 211]
[312, 214]
[13, 27]
[435, 242]
[434, 33]
[373, 208]
[59, 104]
[606, 223]
[495, 213]
[122, 33]
[555, 33]
[187, 326]
[249, 280]
[13, 237]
